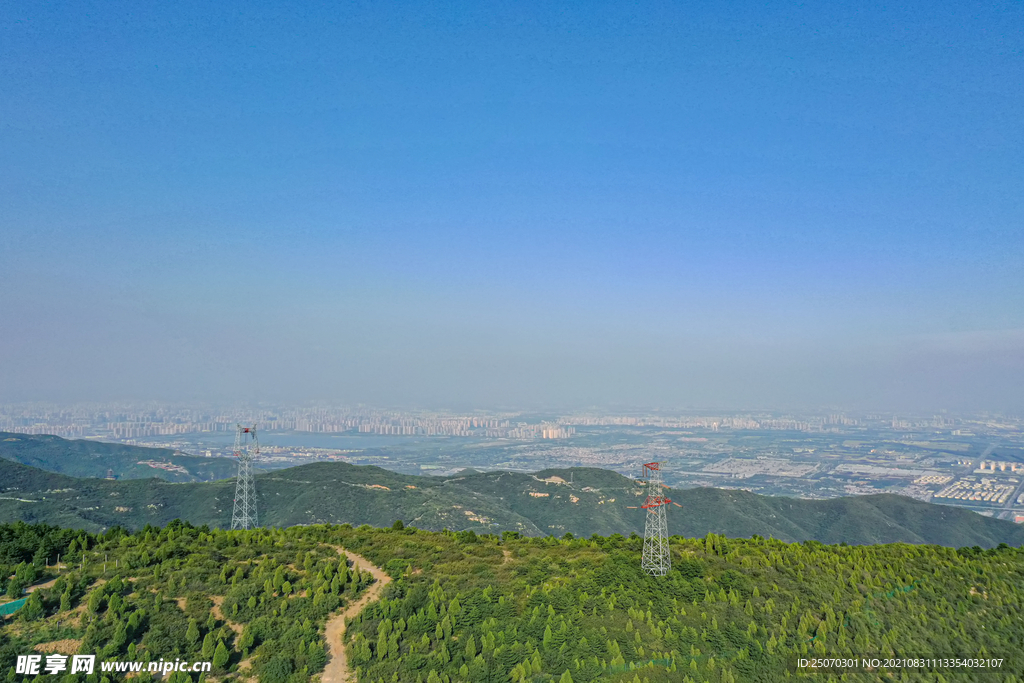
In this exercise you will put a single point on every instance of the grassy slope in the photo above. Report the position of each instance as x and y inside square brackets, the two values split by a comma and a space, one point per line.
[339, 492]
[84, 458]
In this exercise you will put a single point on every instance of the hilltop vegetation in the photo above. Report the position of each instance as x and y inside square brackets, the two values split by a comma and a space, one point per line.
[469, 608]
[596, 502]
[731, 610]
[92, 459]
[603, 497]
[252, 601]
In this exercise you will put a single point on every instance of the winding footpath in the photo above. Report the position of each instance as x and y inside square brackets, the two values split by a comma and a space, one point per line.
[337, 669]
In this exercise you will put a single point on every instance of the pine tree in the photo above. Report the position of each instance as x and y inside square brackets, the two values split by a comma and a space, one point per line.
[220, 655]
[119, 638]
[316, 655]
[446, 627]
[95, 600]
[278, 579]
[192, 633]
[33, 608]
[208, 646]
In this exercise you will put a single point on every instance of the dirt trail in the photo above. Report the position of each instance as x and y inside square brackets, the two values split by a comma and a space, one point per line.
[337, 669]
[40, 586]
[219, 614]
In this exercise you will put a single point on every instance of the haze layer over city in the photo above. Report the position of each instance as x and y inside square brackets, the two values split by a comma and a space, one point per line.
[976, 461]
[781, 249]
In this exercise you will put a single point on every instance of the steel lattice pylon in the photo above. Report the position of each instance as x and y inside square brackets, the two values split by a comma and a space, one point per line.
[247, 449]
[656, 560]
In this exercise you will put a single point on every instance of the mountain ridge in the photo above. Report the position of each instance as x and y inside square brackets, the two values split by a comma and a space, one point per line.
[85, 458]
[534, 504]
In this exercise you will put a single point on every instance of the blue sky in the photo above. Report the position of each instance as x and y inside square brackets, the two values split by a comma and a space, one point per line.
[544, 204]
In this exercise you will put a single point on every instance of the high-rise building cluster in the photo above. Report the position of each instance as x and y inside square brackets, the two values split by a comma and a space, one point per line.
[695, 422]
[121, 423]
[1001, 465]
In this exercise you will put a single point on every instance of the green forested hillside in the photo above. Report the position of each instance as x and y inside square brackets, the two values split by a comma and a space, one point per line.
[581, 501]
[253, 602]
[604, 497]
[468, 608]
[92, 459]
[322, 492]
[730, 610]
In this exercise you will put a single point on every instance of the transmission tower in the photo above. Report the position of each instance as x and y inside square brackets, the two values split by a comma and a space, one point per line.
[656, 560]
[247, 449]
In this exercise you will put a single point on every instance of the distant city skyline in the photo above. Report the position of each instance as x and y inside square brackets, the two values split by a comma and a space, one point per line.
[972, 461]
[519, 204]
[127, 421]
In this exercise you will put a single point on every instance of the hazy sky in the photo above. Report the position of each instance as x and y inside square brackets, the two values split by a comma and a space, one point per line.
[535, 204]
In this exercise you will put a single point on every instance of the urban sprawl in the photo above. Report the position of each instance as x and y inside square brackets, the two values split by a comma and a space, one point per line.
[970, 461]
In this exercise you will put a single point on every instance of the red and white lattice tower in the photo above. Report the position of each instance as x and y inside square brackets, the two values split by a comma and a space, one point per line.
[656, 560]
[247, 449]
